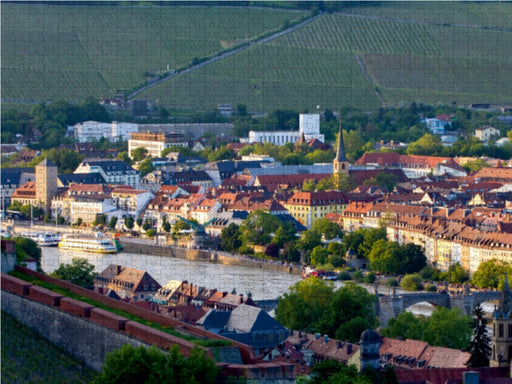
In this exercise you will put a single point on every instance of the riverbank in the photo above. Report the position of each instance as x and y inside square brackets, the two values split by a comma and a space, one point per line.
[143, 246]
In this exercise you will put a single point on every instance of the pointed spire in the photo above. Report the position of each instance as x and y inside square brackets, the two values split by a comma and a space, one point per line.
[340, 152]
[505, 305]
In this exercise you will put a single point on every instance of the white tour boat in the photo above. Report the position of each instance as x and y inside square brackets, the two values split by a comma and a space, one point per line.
[96, 243]
[44, 239]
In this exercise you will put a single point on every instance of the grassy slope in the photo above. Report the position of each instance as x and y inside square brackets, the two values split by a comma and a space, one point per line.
[405, 57]
[28, 358]
[71, 52]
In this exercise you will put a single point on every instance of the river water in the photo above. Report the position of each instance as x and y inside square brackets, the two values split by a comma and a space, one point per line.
[264, 284]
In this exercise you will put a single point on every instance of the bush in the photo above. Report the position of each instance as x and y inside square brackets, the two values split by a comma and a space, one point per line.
[150, 233]
[358, 276]
[430, 288]
[369, 278]
[391, 282]
[344, 275]
[412, 282]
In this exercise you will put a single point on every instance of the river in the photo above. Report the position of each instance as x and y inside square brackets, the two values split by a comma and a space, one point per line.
[264, 284]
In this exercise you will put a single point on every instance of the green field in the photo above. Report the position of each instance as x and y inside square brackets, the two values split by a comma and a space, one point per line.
[28, 358]
[430, 52]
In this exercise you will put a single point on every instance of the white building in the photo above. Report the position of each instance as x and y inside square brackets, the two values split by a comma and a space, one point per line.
[309, 124]
[113, 171]
[486, 133]
[156, 142]
[94, 130]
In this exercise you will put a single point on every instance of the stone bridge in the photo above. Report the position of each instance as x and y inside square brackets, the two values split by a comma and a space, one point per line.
[389, 306]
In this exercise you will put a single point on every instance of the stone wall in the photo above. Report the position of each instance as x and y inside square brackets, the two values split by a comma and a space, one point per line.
[83, 339]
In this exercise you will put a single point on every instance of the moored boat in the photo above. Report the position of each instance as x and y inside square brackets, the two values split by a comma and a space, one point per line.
[97, 243]
[44, 239]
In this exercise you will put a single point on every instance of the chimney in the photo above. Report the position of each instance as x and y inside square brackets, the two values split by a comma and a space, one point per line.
[339, 344]
[326, 339]
[317, 336]
[241, 298]
[118, 269]
[349, 349]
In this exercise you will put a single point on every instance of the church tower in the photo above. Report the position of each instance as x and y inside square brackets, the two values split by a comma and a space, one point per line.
[46, 183]
[502, 329]
[340, 162]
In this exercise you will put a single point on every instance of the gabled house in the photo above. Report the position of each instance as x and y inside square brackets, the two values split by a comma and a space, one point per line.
[486, 133]
[246, 324]
[128, 283]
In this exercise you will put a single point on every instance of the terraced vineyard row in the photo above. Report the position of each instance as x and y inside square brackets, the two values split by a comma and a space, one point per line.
[273, 75]
[118, 45]
[490, 14]
[363, 35]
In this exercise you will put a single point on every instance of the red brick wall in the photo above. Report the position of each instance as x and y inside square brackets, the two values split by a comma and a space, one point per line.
[75, 307]
[108, 319]
[44, 295]
[15, 285]
[156, 337]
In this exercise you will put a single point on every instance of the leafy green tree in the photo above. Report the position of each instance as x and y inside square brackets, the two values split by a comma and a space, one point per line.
[349, 313]
[450, 328]
[166, 226]
[480, 346]
[428, 145]
[490, 274]
[146, 166]
[100, 219]
[455, 274]
[327, 228]
[129, 222]
[475, 165]
[27, 249]
[139, 154]
[79, 272]
[284, 234]
[384, 257]
[309, 239]
[15, 206]
[230, 241]
[112, 222]
[306, 303]
[124, 156]
[257, 228]
[405, 326]
[330, 371]
[319, 256]
[412, 282]
[412, 258]
[30, 211]
[151, 365]
[388, 180]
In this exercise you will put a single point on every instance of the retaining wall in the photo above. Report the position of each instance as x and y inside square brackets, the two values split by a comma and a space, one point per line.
[89, 333]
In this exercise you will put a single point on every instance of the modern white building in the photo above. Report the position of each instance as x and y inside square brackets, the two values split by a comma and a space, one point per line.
[309, 125]
[156, 142]
[113, 171]
[94, 130]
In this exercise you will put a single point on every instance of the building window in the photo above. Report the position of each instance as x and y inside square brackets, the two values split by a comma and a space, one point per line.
[500, 330]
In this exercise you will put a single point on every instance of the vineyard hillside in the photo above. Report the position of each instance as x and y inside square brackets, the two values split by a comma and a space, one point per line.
[364, 56]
